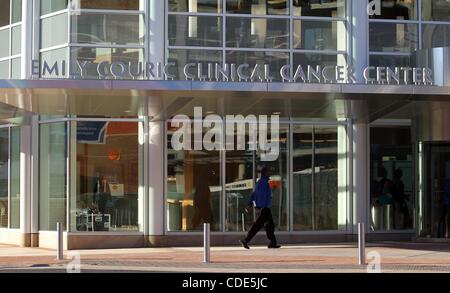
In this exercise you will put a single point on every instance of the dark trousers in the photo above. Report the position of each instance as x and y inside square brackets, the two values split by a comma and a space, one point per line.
[265, 220]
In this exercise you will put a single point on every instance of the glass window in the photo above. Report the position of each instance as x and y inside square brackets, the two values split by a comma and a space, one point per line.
[398, 9]
[110, 4]
[275, 60]
[435, 35]
[278, 180]
[16, 68]
[4, 12]
[319, 204]
[15, 178]
[202, 31]
[16, 11]
[4, 166]
[325, 202]
[242, 172]
[319, 35]
[49, 6]
[108, 55]
[182, 57]
[239, 186]
[258, 7]
[4, 69]
[51, 57]
[438, 10]
[16, 40]
[54, 31]
[302, 155]
[392, 177]
[95, 28]
[312, 59]
[52, 175]
[244, 32]
[193, 186]
[391, 61]
[108, 160]
[328, 8]
[4, 48]
[393, 37]
[194, 6]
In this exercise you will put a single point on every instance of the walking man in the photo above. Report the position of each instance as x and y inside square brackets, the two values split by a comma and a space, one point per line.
[261, 200]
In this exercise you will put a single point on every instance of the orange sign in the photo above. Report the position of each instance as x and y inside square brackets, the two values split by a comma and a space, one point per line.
[114, 155]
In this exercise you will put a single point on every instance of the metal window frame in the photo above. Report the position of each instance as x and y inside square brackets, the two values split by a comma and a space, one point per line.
[10, 27]
[290, 50]
[70, 122]
[289, 124]
[9, 128]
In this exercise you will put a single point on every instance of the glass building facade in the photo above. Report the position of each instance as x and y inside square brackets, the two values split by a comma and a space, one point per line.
[86, 137]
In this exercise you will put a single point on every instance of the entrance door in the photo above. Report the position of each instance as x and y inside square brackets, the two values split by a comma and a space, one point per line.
[434, 216]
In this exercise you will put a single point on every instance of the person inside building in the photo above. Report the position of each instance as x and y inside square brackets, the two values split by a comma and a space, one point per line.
[261, 200]
[400, 201]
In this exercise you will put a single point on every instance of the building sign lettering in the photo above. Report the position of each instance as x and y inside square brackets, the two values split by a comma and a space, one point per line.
[215, 72]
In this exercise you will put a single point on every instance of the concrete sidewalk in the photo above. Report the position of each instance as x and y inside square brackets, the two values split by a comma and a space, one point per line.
[395, 257]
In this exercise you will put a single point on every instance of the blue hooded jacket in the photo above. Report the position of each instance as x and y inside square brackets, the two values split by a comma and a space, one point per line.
[262, 196]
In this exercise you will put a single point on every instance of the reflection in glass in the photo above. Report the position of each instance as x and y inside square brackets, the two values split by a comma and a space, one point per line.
[108, 171]
[319, 35]
[239, 186]
[391, 173]
[193, 187]
[108, 28]
[329, 8]
[4, 158]
[110, 4]
[15, 178]
[16, 69]
[319, 179]
[49, 6]
[4, 48]
[54, 31]
[203, 31]
[195, 6]
[393, 37]
[258, 7]
[51, 57]
[4, 69]
[109, 55]
[257, 33]
[16, 40]
[278, 181]
[398, 9]
[16, 11]
[438, 10]
[242, 170]
[435, 35]
[275, 60]
[5, 12]
[302, 177]
[52, 175]
[181, 57]
[390, 61]
[325, 178]
[312, 59]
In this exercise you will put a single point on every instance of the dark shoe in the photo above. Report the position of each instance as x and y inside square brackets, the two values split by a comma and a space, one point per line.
[244, 244]
[274, 246]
